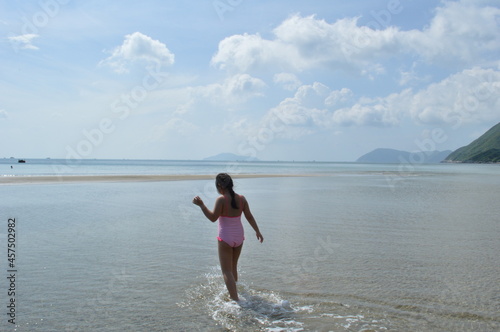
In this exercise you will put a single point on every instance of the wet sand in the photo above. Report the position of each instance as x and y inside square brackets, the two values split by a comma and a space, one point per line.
[120, 178]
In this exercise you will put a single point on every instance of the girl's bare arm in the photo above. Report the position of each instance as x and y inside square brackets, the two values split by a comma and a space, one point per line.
[251, 219]
[211, 215]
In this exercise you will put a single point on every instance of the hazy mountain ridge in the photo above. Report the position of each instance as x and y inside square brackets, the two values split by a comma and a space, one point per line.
[392, 156]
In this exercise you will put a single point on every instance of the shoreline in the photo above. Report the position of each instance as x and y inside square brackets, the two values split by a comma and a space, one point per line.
[55, 179]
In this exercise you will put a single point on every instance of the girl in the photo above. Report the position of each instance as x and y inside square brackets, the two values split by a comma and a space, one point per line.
[228, 208]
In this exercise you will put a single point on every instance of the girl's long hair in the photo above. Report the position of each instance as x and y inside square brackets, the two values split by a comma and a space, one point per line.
[224, 181]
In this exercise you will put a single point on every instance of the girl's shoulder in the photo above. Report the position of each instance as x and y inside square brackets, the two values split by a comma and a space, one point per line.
[223, 198]
[220, 200]
[243, 199]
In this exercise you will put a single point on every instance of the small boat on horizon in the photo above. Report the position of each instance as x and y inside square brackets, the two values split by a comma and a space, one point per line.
[21, 161]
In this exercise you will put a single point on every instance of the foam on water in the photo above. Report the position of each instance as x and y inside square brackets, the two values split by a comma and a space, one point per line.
[265, 310]
[262, 310]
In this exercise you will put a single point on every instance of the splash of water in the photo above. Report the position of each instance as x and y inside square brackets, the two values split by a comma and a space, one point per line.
[257, 310]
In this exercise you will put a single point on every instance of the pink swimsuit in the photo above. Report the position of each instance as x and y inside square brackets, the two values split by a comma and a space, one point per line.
[231, 230]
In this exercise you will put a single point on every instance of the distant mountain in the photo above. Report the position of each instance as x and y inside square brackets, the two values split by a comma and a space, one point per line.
[485, 149]
[230, 157]
[391, 156]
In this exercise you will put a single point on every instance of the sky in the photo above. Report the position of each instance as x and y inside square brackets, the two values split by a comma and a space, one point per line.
[274, 80]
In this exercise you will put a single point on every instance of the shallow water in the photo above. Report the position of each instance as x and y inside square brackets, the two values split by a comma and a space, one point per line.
[365, 248]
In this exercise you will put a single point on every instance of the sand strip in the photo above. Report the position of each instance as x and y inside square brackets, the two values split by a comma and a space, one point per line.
[121, 178]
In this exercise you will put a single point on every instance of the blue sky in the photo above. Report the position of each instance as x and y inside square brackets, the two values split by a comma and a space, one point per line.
[295, 80]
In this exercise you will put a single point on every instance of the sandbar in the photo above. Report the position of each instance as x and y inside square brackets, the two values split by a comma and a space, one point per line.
[54, 179]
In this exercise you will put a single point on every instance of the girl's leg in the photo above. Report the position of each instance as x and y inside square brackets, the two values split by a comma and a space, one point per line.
[226, 264]
[236, 256]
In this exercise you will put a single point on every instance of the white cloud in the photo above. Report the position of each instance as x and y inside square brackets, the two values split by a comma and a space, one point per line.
[251, 51]
[463, 31]
[3, 114]
[23, 42]
[233, 90]
[339, 97]
[138, 47]
[370, 112]
[287, 80]
[311, 95]
[301, 114]
[319, 43]
[412, 76]
[300, 43]
[203, 101]
[472, 95]
[316, 107]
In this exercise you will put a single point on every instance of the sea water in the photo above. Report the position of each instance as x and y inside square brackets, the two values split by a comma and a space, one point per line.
[353, 248]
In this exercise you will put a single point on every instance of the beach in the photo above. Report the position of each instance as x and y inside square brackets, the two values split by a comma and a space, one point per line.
[350, 249]
[121, 178]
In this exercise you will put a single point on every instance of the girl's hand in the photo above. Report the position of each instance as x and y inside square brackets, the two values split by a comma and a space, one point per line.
[259, 237]
[197, 201]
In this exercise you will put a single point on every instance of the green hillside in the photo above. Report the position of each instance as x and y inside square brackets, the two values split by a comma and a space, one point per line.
[483, 150]
[490, 156]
